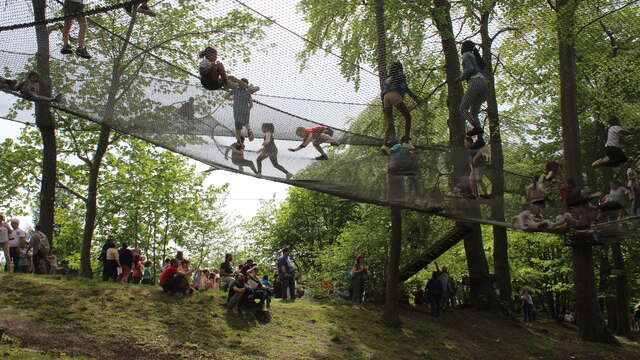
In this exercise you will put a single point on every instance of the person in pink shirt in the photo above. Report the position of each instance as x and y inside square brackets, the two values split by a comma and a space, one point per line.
[316, 135]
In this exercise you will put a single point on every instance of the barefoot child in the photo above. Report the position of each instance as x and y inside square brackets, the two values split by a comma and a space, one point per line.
[72, 7]
[614, 156]
[242, 104]
[317, 135]
[237, 155]
[393, 91]
[269, 150]
[213, 75]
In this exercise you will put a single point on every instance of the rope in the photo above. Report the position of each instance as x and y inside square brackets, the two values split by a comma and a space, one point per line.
[71, 16]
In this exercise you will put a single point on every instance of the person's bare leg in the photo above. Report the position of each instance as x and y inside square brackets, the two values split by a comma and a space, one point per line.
[274, 162]
[66, 30]
[238, 134]
[82, 32]
[390, 130]
[319, 148]
[407, 119]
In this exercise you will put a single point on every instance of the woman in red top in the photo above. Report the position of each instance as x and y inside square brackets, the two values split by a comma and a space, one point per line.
[169, 276]
[316, 135]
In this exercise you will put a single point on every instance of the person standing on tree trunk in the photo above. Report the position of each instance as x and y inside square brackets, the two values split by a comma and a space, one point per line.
[477, 89]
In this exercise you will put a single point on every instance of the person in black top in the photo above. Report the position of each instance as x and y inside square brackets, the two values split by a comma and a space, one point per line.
[109, 244]
[226, 271]
[286, 274]
[126, 260]
[237, 293]
[434, 293]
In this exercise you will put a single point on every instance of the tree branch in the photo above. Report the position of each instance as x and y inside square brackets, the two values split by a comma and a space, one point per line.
[504, 29]
[605, 15]
[60, 185]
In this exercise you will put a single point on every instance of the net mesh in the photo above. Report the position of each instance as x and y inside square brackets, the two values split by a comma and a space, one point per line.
[154, 93]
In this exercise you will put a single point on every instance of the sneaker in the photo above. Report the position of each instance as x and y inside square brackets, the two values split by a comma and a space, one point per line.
[479, 144]
[475, 131]
[253, 89]
[83, 53]
[66, 50]
[322, 157]
[144, 9]
[250, 135]
[600, 162]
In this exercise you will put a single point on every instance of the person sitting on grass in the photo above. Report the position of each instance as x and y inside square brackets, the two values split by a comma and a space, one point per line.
[258, 290]
[73, 10]
[213, 76]
[237, 155]
[237, 293]
[316, 135]
[172, 281]
[242, 105]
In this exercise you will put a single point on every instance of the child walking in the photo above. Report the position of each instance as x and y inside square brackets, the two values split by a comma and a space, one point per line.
[477, 88]
[316, 135]
[213, 75]
[614, 156]
[237, 155]
[269, 150]
[70, 8]
[393, 91]
[242, 104]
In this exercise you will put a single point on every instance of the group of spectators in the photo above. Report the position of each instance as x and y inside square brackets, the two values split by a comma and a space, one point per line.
[123, 265]
[440, 292]
[26, 256]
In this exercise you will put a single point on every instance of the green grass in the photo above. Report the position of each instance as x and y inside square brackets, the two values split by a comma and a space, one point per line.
[52, 317]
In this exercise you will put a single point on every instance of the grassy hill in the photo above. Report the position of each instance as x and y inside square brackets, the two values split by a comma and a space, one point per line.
[58, 318]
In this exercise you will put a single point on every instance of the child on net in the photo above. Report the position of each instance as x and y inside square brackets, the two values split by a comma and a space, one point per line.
[477, 88]
[242, 104]
[213, 75]
[237, 155]
[269, 150]
[614, 200]
[478, 168]
[529, 219]
[316, 135]
[614, 156]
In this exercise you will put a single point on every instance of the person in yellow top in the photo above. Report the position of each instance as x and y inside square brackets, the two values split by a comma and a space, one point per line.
[111, 263]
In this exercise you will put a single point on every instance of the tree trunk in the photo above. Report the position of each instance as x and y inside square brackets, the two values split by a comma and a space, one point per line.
[590, 321]
[623, 327]
[500, 242]
[607, 301]
[101, 149]
[46, 125]
[480, 286]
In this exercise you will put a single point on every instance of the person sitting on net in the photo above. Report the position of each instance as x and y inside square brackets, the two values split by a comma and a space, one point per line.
[478, 168]
[73, 9]
[536, 193]
[213, 75]
[316, 135]
[554, 170]
[529, 219]
[477, 88]
[269, 150]
[393, 91]
[30, 89]
[242, 104]
[564, 221]
[237, 155]
[614, 156]
[614, 200]
[143, 8]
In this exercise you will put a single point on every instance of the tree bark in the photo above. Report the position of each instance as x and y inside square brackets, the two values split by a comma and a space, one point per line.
[480, 288]
[623, 327]
[592, 327]
[101, 149]
[500, 242]
[46, 125]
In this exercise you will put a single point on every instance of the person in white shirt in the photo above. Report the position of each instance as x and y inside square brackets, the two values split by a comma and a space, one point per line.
[614, 200]
[16, 238]
[614, 156]
[530, 220]
[4, 243]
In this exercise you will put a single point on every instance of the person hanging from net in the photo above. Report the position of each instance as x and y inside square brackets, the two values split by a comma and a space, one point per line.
[242, 105]
[142, 7]
[477, 89]
[237, 155]
[73, 9]
[269, 150]
[393, 91]
[30, 89]
[478, 164]
[614, 156]
[213, 76]
[316, 135]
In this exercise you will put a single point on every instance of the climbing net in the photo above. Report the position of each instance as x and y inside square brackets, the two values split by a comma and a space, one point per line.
[143, 81]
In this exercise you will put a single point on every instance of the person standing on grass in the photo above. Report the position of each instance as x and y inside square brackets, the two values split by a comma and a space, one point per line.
[286, 274]
[358, 281]
[16, 238]
[126, 261]
[527, 306]
[73, 10]
[146, 273]
[434, 293]
[111, 262]
[4, 242]
[444, 283]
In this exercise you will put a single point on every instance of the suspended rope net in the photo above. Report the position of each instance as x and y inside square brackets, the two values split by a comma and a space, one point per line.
[152, 91]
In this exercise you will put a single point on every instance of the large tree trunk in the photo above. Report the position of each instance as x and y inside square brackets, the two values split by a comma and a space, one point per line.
[500, 242]
[101, 149]
[592, 327]
[480, 289]
[46, 125]
[623, 327]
